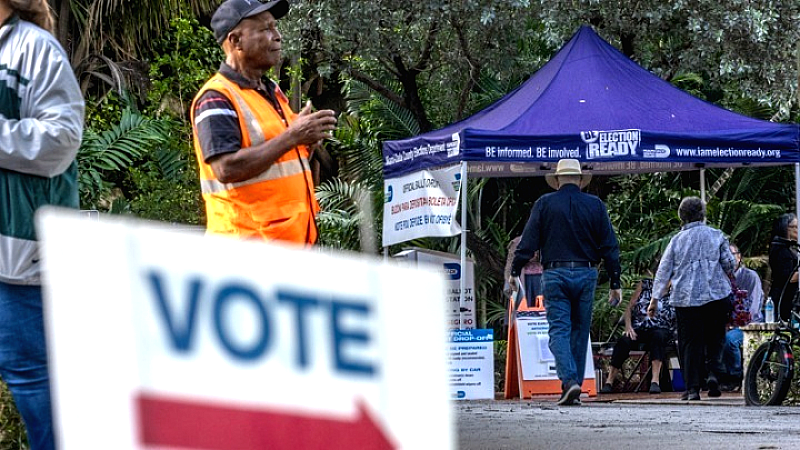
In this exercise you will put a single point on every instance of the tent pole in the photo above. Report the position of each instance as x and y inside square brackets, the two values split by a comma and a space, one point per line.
[703, 185]
[797, 194]
[462, 283]
[797, 191]
[797, 165]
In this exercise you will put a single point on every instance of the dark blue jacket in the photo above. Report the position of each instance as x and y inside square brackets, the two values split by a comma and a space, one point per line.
[569, 225]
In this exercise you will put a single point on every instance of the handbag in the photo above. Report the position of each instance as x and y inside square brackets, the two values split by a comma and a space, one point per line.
[739, 303]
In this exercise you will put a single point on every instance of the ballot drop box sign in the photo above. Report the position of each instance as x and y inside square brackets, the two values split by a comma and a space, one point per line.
[163, 338]
[471, 363]
[460, 315]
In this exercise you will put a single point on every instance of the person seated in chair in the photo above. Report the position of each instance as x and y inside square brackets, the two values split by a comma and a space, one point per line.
[747, 280]
[641, 329]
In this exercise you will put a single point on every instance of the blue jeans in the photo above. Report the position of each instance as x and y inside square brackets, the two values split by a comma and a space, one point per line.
[23, 360]
[569, 296]
[732, 352]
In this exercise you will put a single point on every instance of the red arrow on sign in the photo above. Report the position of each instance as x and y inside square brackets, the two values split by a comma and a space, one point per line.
[197, 425]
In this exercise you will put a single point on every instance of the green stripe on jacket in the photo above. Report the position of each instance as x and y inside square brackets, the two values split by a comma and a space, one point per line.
[21, 195]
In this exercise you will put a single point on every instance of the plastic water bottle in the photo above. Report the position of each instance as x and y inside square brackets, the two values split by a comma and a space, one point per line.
[769, 311]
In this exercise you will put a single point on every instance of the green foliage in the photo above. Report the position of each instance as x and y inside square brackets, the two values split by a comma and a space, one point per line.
[356, 146]
[158, 197]
[181, 62]
[690, 82]
[423, 56]
[104, 156]
[500, 354]
[341, 216]
[142, 163]
[388, 120]
[12, 429]
[360, 183]
[122, 28]
[643, 210]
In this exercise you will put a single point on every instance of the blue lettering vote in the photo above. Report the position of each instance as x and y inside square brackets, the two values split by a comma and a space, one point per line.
[181, 324]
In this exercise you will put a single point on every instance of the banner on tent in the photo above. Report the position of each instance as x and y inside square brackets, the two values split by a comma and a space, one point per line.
[421, 204]
[621, 147]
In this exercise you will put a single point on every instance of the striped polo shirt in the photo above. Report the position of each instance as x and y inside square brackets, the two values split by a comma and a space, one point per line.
[215, 119]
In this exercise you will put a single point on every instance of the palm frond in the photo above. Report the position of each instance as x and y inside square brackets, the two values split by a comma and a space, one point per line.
[342, 217]
[105, 153]
[646, 253]
[398, 122]
[356, 145]
[170, 162]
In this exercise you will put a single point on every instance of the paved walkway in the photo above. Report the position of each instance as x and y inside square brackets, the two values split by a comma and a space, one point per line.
[665, 398]
[626, 421]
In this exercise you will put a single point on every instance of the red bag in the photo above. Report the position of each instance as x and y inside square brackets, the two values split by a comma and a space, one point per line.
[740, 307]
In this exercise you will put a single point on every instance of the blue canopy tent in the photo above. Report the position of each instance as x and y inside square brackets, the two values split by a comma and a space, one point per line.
[592, 103]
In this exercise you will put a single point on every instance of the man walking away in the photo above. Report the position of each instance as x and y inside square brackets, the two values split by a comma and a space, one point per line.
[573, 232]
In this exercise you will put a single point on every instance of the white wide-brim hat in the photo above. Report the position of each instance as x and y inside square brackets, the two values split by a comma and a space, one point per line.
[568, 167]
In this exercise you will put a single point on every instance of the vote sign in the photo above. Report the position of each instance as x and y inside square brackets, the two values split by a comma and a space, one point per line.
[163, 338]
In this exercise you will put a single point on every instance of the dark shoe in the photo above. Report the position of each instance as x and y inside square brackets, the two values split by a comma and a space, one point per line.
[606, 389]
[569, 395]
[713, 387]
[734, 384]
[690, 395]
[655, 388]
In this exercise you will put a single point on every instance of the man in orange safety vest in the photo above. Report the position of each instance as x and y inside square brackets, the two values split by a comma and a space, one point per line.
[252, 149]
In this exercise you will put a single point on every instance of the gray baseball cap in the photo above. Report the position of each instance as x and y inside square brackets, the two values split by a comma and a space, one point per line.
[231, 12]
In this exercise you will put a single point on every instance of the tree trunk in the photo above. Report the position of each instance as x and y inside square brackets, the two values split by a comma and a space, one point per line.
[62, 23]
[413, 102]
[486, 256]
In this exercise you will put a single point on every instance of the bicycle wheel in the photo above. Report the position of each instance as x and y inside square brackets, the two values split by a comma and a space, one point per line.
[769, 374]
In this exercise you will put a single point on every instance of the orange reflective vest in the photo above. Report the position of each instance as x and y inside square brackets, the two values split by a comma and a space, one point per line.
[277, 204]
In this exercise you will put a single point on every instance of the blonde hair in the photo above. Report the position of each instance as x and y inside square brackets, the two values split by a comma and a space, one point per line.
[35, 11]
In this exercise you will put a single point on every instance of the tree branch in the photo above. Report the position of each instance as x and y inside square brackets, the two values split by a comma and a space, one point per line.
[474, 69]
[377, 86]
[427, 51]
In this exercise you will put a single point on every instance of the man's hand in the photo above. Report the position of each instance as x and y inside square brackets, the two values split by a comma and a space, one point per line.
[630, 333]
[512, 282]
[312, 126]
[614, 296]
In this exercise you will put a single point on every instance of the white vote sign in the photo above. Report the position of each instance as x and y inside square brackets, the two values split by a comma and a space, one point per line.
[164, 338]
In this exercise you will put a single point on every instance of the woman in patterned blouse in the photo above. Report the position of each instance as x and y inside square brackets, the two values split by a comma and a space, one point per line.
[699, 264]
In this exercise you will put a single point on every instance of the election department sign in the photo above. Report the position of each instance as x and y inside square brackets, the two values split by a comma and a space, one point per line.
[421, 204]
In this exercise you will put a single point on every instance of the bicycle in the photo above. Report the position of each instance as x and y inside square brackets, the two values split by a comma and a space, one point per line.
[771, 368]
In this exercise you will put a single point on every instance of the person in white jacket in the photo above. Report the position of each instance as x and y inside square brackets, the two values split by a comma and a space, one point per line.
[41, 124]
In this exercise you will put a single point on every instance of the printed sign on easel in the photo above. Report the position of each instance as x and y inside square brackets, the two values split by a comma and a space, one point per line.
[530, 366]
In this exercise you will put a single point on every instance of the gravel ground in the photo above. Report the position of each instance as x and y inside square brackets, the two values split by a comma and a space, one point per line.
[636, 421]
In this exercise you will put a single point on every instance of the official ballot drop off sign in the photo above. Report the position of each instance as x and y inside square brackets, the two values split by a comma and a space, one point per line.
[163, 338]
